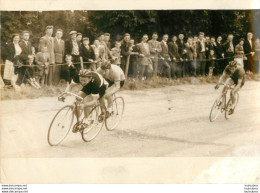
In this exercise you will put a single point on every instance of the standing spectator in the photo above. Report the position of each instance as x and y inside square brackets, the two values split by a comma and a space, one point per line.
[116, 53]
[79, 38]
[48, 41]
[239, 53]
[125, 50]
[219, 66]
[133, 66]
[183, 53]
[175, 58]
[72, 47]
[145, 60]
[249, 48]
[195, 63]
[155, 49]
[99, 52]
[87, 54]
[26, 47]
[207, 42]
[107, 40]
[257, 53]
[12, 63]
[104, 44]
[201, 51]
[190, 56]
[59, 51]
[42, 60]
[229, 48]
[212, 59]
[165, 56]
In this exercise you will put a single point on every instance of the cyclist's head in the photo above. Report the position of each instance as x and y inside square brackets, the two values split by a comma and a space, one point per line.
[106, 65]
[85, 76]
[232, 66]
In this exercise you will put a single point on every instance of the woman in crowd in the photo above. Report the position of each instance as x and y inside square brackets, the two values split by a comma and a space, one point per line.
[13, 51]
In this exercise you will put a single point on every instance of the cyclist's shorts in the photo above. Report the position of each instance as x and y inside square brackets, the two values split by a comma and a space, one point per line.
[110, 83]
[102, 91]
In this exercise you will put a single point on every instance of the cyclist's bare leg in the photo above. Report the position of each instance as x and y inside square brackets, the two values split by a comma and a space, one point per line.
[233, 94]
[228, 82]
[88, 103]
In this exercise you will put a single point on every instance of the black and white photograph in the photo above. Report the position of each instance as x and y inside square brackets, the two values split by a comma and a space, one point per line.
[130, 95]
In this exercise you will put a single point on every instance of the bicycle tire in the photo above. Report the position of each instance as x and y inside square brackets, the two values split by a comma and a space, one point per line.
[113, 120]
[227, 116]
[92, 130]
[214, 106]
[66, 131]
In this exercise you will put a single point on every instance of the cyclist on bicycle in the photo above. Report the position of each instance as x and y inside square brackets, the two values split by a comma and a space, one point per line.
[115, 77]
[94, 87]
[232, 75]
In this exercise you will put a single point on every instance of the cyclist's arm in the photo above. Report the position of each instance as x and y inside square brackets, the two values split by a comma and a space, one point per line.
[113, 89]
[71, 86]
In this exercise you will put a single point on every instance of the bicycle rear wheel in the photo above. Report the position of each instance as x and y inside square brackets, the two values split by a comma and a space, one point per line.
[60, 125]
[216, 108]
[93, 124]
[117, 112]
[229, 105]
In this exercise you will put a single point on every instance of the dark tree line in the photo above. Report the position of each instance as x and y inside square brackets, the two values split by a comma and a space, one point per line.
[93, 23]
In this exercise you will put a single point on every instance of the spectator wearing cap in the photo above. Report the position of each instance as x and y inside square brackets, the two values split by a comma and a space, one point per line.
[79, 38]
[59, 51]
[145, 60]
[155, 49]
[126, 50]
[72, 47]
[26, 47]
[88, 55]
[201, 51]
[48, 41]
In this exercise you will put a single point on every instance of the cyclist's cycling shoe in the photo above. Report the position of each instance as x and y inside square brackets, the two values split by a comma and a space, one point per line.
[231, 111]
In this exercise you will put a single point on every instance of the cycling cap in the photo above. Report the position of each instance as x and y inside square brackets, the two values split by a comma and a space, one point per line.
[105, 65]
[233, 64]
[85, 73]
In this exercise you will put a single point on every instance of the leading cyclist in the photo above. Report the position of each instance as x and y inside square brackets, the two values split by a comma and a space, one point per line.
[232, 75]
[94, 87]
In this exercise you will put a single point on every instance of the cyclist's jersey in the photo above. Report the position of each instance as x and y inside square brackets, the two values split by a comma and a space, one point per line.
[238, 74]
[115, 73]
[97, 85]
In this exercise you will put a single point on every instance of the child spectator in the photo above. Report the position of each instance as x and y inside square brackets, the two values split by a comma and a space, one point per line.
[42, 60]
[212, 59]
[116, 51]
[69, 70]
[30, 72]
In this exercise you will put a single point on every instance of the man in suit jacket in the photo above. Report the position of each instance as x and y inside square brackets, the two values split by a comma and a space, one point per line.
[191, 50]
[175, 58]
[26, 47]
[145, 60]
[165, 56]
[219, 68]
[201, 51]
[48, 41]
[99, 52]
[182, 52]
[87, 54]
[229, 48]
[126, 50]
[249, 49]
[59, 51]
[155, 49]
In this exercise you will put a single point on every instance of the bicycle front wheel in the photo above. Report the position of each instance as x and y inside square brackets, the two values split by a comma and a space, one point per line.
[60, 125]
[93, 124]
[117, 112]
[216, 108]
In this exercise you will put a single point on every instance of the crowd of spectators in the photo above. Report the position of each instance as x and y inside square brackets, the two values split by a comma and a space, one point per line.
[173, 57]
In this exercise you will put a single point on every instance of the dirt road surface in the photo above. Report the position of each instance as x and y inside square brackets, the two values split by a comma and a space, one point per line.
[169, 122]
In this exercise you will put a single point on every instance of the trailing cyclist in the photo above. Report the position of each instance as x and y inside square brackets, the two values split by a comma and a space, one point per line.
[232, 75]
